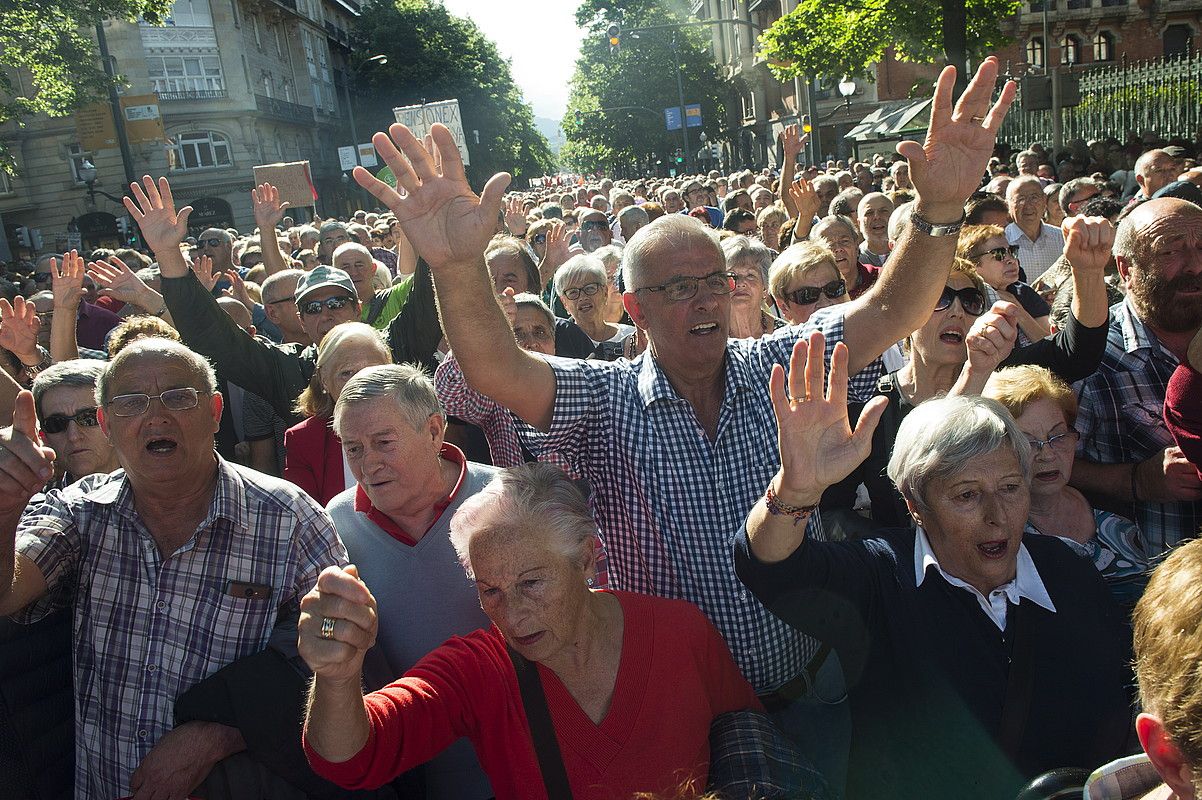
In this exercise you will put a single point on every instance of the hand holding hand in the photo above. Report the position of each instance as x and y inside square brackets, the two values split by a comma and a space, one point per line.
[341, 605]
[153, 209]
[66, 281]
[1167, 477]
[25, 465]
[1088, 242]
[19, 329]
[268, 209]
[991, 338]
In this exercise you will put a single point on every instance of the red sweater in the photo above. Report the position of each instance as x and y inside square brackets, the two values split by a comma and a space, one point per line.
[1183, 412]
[674, 677]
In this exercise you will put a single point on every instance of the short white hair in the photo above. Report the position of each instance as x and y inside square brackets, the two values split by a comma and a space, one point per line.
[584, 265]
[670, 232]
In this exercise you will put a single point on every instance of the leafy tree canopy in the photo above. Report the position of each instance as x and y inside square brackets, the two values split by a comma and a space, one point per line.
[435, 55]
[642, 73]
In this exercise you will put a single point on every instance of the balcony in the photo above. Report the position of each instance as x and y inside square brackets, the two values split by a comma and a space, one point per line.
[283, 110]
[191, 95]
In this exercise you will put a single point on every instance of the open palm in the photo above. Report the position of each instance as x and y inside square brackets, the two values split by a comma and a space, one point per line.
[19, 327]
[153, 209]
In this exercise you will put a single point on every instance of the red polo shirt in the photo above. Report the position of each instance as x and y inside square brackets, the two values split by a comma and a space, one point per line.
[363, 505]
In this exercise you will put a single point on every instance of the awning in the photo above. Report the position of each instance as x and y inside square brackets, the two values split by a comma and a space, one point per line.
[893, 120]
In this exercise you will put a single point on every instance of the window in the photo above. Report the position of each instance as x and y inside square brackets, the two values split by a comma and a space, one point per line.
[185, 73]
[279, 40]
[317, 58]
[254, 24]
[6, 182]
[190, 14]
[201, 150]
[1178, 40]
[1070, 49]
[1103, 46]
[286, 90]
[76, 155]
[748, 105]
[1035, 53]
[267, 84]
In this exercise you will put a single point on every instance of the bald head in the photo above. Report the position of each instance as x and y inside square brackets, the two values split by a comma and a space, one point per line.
[1154, 170]
[1135, 231]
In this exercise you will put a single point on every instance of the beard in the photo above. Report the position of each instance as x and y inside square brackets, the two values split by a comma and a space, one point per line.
[1159, 305]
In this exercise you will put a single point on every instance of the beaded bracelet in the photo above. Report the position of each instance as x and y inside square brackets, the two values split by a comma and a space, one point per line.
[777, 508]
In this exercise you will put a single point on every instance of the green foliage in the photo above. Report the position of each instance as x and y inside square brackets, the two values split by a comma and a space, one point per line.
[48, 59]
[434, 55]
[848, 37]
[642, 73]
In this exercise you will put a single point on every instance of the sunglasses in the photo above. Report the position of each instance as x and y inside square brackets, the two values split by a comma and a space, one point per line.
[334, 303]
[971, 300]
[57, 423]
[593, 225]
[1000, 253]
[210, 242]
[809, 294]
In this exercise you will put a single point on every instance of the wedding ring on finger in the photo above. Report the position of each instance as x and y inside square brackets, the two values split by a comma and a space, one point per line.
[327, 628]
[977, 119]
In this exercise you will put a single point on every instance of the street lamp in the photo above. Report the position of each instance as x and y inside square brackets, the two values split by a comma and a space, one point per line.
[87, 174]
[350, 109]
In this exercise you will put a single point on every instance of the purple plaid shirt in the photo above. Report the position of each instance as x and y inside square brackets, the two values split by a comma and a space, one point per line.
[147, 628]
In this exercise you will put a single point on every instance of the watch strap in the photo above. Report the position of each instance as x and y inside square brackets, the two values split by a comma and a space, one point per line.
[931, 229]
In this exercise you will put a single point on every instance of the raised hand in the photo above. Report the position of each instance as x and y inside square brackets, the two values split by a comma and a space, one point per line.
[817, 444]
[341, 597]
[1088, 242]
[515, 217]
[238, 290]
[19, 329]
[948, 167]
[115, 279]
[66, 281]
[153, 208]
[508, 305]
[268, 210]
[792, 141]
[556, 253]
[203, 267]
[25, 465]
[801, 200]
[444, 220]
[989, 341]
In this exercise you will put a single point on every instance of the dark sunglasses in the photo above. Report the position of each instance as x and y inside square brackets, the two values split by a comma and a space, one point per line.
[313, 307]
[971, 300]
[210, 243]
[42, 277]
[594, 225]
[57, 423]
[1000, 253]
[809, 294]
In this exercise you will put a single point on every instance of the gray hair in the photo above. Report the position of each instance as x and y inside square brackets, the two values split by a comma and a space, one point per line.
[580, 266]
[941, 437]
[611, 253]
[522, 499]
[672, 232]
[334, 225]
[738, 249]
[410, 387]
[78, 373]
[899, 219]
[533, 301]
[633, 215]
[286, 278]
[831, 221]
[199, 366]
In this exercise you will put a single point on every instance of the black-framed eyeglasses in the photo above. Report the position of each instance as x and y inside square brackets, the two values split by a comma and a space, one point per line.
[57, 423]
[971, 300]
[589, 288]
[290, 298]
[1057, 442]
[133, 405]
[685, 287]
[593, 225]
[214, 242]
[1000, 253]
[1083, 200]
[539, 238]
[809, 294]
[313, 307]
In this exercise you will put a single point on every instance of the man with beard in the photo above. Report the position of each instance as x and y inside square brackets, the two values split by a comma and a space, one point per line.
[1126, 459]
[594, 231]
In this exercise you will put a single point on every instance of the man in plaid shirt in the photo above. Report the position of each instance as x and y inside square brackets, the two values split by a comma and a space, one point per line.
[175, 567]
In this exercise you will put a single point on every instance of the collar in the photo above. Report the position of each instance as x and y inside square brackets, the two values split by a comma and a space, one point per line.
[228, 503]
[449, 452]
[1026, 583]
[1137, 336]
[1014, 228]
[653, 384]
[1127, 778]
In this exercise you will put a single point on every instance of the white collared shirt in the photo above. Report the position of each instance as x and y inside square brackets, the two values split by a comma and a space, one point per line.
[1026, 582]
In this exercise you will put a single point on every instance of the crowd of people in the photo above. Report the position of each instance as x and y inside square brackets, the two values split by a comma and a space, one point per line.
[870, 480]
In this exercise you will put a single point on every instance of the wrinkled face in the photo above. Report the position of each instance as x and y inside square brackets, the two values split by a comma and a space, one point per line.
[826, 192]
[534, 594]
[533, 331]
[388, 458]
[353, 356]
[330, 241]
[843, 244]
[874, 213]
[762, 200]
[817, 278]
[508, 272]
[1166, 286]
[749, 286]
[585, 306]
[1081, 197]
[997, 273]
[975, 519]
[318, 325]
[1051, 466]
[216, 244]
[941, 339]
[161, 445]
[1159, 173]
[901, 177]
[673, 204]
[82, 449]
[360, 267]
[595, 232]
[1027, 202]
[770, 232]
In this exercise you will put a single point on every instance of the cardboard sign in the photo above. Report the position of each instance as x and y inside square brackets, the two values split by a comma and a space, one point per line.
[420, 118]
[346, 158]
[143, 123]
[94, 127]
[367, 155]
[293, 179]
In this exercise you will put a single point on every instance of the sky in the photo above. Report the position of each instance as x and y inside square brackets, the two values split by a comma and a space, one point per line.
[541, 40]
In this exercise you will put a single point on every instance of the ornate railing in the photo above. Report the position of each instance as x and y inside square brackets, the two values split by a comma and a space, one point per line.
[282, 109]
[192, 94]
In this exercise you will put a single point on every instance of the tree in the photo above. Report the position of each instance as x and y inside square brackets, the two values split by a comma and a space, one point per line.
[435, 55]
[848, 37]
[642, 73]
[48, 59]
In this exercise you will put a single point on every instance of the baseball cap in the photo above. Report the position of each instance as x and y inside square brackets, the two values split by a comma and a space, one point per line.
[322, 276]
[1183, 190]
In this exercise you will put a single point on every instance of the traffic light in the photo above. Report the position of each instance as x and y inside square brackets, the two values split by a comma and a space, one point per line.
[679, 156]
[614, 33]
[806, 127]
[23, 237]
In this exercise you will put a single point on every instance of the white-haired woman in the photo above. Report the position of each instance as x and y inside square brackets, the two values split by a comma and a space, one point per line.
[748, 260]
[631, 682]
[975, 657]
[583, 286]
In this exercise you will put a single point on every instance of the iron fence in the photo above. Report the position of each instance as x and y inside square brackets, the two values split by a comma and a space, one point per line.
[1162, 95]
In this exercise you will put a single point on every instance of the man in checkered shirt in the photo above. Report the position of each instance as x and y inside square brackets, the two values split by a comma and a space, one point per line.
[678, 444]
[175, 566]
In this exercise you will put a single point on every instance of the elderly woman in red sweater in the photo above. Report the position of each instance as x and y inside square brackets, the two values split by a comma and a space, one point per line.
[631, 682]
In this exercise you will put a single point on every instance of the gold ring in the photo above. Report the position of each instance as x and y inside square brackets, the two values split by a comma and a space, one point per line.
[327, 628]
[977, 119]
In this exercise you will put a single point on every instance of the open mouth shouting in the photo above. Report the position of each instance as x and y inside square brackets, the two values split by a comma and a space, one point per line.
[994, 550]
[162, 445]
[952, 335]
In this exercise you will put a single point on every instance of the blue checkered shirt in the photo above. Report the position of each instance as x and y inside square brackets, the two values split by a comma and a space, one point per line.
[1121, 420]
[669, 500]
[146, 628]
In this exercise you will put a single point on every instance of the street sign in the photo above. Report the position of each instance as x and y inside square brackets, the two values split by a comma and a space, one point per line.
[692, 116]
[367, 155]
[346, 158]
[419, 118]
[672, 118]
[143, 123]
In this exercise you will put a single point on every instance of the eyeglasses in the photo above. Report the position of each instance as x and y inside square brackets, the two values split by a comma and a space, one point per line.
[589, 288]
[333, 303]
[57, 423]
[593, 225]
[1073, 204]
[539, 238]
[290, 298]
[809, 294]
[748, 278]
[1000, 253]
[971, 300]
[684, 288]
[214, 242]
[1057, 442]
[132, 405]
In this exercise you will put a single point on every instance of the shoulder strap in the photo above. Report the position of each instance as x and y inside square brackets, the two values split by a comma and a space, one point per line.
[1021, 683]
[377, 306]
[546, 746]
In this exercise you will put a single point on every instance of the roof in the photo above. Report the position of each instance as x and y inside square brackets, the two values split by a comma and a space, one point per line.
[893, 120]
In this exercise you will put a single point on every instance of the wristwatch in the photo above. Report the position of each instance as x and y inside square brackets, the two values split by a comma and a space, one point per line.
[30, 371]
[931, 229]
